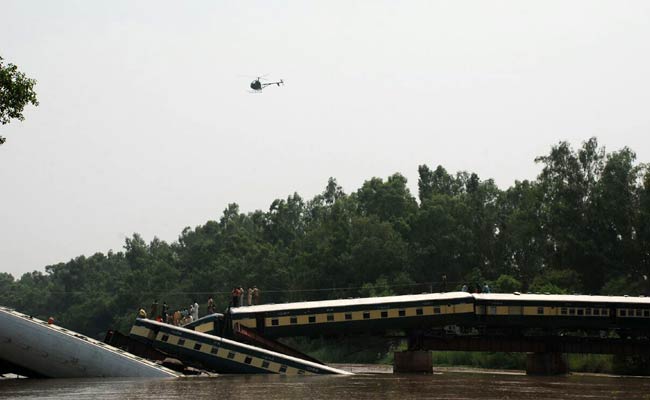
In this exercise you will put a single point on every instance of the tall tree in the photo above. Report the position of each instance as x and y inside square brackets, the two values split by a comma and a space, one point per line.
[567, 181]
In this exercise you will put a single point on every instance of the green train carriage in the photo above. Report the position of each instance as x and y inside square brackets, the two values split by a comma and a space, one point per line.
[364, 315]
[562, 312]
[218, 354]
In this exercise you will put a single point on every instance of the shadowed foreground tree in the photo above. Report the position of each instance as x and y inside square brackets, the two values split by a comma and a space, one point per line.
[16, 91]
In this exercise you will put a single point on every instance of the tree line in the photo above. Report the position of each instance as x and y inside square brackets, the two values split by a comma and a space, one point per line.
[582, 226]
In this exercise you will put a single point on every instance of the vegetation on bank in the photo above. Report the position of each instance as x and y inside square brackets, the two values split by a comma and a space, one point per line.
[582, 226]
[365, 350]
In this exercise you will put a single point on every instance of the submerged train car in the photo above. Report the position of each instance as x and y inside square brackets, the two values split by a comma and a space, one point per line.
[562, 311]
[41, 349]
[222, 355]
[364, 315]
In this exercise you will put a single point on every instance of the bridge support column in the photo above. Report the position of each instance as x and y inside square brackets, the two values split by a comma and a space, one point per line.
[546, 364]
[418, 361]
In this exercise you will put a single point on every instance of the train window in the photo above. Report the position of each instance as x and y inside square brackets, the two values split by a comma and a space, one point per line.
[214, 350]
[283, 369]
[248, 360]
[384, 314]
[646, 313]
[293, 320]
[580, 311]
[312, 319]
[622, 312]
[596, 311]
[330, 317]
[231, 355]
[265, 364]
[366, 315]
[436, 310]
[587, 311]
[419, 311]
[540, 310]
[402, 313]
[563, 311]
[604, 312]
[493, 310]
[181, 342]
[572, 311]
[275, 322]
[348, 316]
[197, 346]
[164, 338]
[638, 313]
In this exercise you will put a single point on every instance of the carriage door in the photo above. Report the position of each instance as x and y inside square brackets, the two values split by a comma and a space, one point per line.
[260, 321]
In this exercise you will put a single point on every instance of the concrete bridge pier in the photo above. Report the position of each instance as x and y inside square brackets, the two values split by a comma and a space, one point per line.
[413, 361]
[546, 364]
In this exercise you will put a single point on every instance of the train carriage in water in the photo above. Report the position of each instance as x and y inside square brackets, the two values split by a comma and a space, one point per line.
[563, 312]
[218, 354]
[362, 315]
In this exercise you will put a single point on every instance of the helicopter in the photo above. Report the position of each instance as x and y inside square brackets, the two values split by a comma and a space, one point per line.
[257, 85]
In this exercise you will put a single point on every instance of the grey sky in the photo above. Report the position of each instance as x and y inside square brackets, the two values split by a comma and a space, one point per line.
[146, 125]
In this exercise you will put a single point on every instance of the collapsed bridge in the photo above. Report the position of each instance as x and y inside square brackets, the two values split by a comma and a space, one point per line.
[245, 339]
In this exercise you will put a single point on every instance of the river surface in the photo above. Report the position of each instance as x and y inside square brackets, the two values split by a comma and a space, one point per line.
[370, 382]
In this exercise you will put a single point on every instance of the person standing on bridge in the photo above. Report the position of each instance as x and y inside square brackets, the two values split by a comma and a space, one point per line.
[256, 295]
[165, 312]
[235, 297]
[241, 296]
[443, 283]
[249, 297]
[210, 306]
[195, 311]
[464, 288]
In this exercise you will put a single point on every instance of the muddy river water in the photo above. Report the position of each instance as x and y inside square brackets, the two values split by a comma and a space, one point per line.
[369, 382]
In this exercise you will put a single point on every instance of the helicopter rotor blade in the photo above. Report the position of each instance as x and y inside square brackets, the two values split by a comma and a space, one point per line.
[252, 76]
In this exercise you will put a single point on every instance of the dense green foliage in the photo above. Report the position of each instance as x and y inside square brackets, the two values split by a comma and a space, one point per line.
[583, 226]
[16, 91]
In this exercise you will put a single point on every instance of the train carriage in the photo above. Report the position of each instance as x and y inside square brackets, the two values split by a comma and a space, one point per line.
[221, 355]
[365, 315]
[562, 311]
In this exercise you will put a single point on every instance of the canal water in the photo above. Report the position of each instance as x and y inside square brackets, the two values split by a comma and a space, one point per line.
[369, 383]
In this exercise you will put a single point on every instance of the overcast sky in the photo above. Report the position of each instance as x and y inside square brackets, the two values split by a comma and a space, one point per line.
[146, 124]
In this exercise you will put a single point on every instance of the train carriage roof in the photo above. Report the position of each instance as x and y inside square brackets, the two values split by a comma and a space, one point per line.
[453, 296]
[560, 298]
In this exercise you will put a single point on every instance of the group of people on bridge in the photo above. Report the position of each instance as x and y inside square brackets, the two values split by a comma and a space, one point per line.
[177, 317]
[476, 288]
[182, 316]
[252, 297]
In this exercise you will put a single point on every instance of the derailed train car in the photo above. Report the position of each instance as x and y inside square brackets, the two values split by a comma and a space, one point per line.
[218, 354]
[438, 310]
[364, 315]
